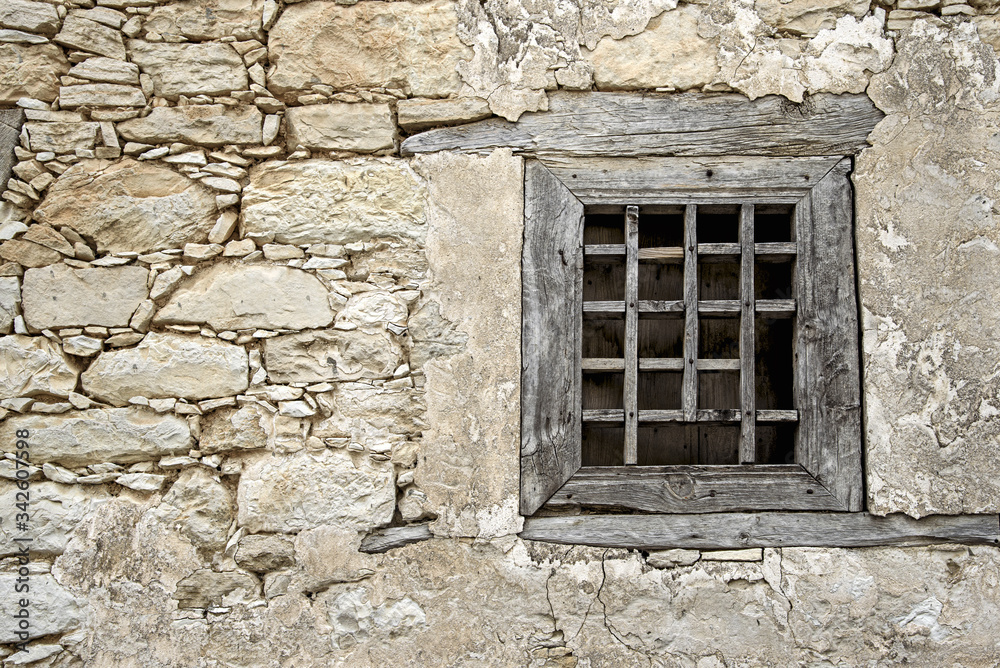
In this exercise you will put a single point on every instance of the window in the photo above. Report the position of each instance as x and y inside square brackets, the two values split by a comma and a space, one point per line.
[689, 336]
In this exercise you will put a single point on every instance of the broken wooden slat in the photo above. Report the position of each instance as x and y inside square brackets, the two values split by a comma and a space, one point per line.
[694, 489]
[769, 529]
[383, 540]
[630, 391]
[648, 306]
[748, 356]
[626, 124]
[719, 415]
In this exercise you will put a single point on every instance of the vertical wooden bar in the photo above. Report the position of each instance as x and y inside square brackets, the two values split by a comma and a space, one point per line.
[689, 391]
[748, 358]
[631, 335]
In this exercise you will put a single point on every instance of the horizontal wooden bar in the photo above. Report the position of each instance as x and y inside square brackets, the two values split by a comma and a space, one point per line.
[383, 540]
[605, 252]
[719, 415]
[661, 364]
[602, 364]
[720, 307]
[718, 365]
[663, 254]
[786, 248]
[724, 531]
[669, 307]
[776, 307]
[719, 249]
[694, 489]
[604, 415]
[603, 308]
[777, 416]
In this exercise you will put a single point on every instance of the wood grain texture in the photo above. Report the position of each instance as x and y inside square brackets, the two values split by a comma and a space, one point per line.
[631, 334]
[11, 121]
[827, 365]
[689, 387]
[748, 357]
[694, 489]
[552, 309]
[627, 124]
[770, 529]
[383, 540]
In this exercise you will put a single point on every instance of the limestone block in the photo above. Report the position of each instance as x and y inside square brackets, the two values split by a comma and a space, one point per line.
[236, 296]
[107, 70]
[328, 355]
[52, 609]
[235, 429]
[60, 296]
[206, 588]
[32, 365]
[205, 124]
[416, 115]
[129, 206]
[200, 507]
[30, 71]
[86, 35]
[265, 552]
[807, 17]
[372, 311]
[56, 510]
[37, 17]
[927, 239]
[988, 27]
[841, 60]
[101, 95]
[208, 19]
[322, 201]
[28, 254]
[470, 453]
[329, 554]
[61, 136]
[669, 53]
[10, 302]
[121, 435]
[377, 418]
[168, 365]
[189, 69]
[392, 44]
[291, 493]
[341, 126]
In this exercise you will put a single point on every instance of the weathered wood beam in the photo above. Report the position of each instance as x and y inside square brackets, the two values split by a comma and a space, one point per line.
[772, 529]
[630, 124]
[383, 540]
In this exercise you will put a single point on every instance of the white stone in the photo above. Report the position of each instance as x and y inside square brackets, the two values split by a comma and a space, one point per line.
[415, 115]
[53, 609]
[30, 71]
[319, 201]
[34, 365]
[10, 302]
[86, 35]
[108, 70]
[224, 227]
[287, 494]
[61, 136]
[207, 19]
[248, 296]
[247, 428]
[371, 311]
[101, 95]
[121, 435]
[209, 125]
[143, 482]
[129, 206]
[347, 127]
[37, 17]
[207, 68]
[327, 355]
[60, 296]
[82, 346]
[56, 510]
[168, 365]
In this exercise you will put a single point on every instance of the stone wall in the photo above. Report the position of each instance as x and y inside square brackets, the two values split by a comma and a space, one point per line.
[244, 332]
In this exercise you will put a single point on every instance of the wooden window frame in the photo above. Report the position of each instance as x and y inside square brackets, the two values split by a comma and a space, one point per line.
[827, 476]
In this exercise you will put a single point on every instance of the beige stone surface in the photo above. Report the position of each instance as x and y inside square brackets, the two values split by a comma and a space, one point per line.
[28, 254]
[30, 16]
[32, 365]
[807, 17]
[101, 95]
[201, 506]
[30, 71]
[86, 35]
[190, 69]
[412, 46]
[60, 296]
[668, 53]
[328, 355]
[265, 552]
[246, 428]
[239, 296]
[52, 608]
[10, 302]
[291, 493]
[371, 311]
[416, 115]
[469, 461]
[78, 438]
[927, 257]
[56, 512]
[208, 19]
[346, 127]
[168, 365]
[129, 206]
[210, 125]
[61, 137]
[322, 201]
[109, 70]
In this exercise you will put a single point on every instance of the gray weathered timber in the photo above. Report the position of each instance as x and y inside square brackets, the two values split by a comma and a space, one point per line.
[552, 311]
[603, 364]
[603, 415]
[776, 307]
[718, 364]
[383, 540]
[777, 416]
[716, 180]
[774, 529]
[689, 384]
[661, 364]
[694, 489]
[827, 367]
[11, 121]
[626, 124]
[630, 391]
[748, 356]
